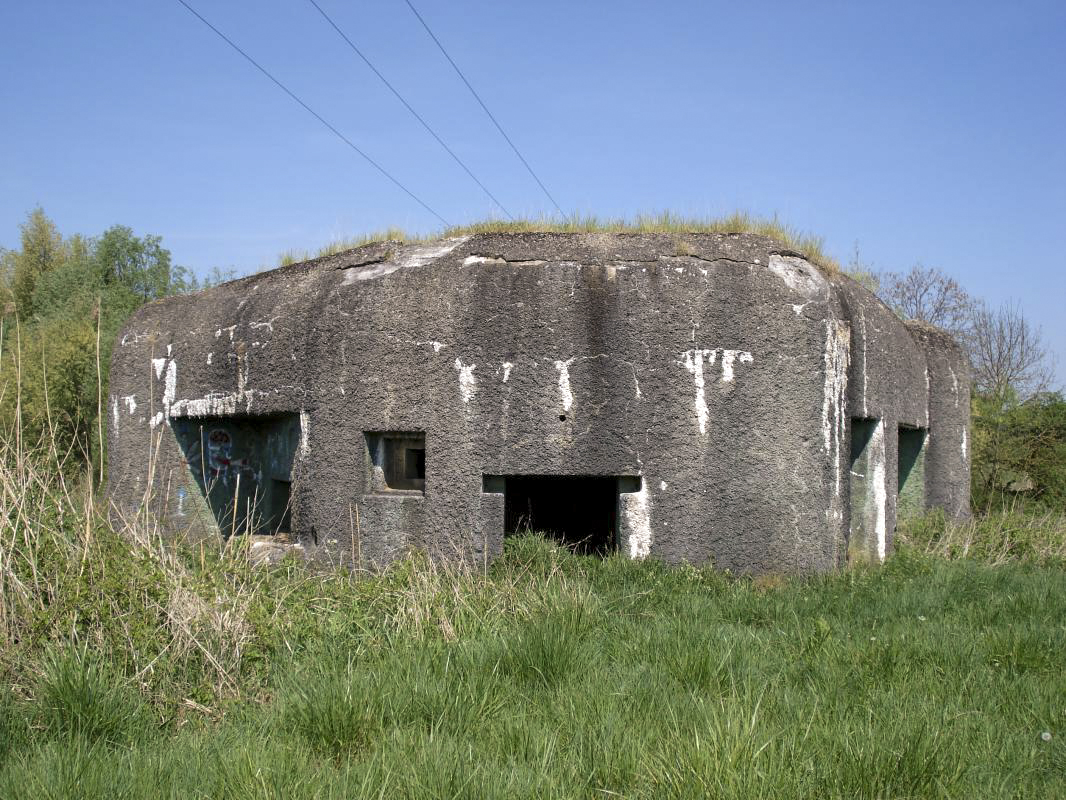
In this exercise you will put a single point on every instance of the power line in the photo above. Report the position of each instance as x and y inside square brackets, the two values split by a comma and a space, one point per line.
[315, 114]
[407, 105]
[477, 97]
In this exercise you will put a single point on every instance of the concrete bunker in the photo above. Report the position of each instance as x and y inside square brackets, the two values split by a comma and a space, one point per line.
[242, 466]
[690, 397]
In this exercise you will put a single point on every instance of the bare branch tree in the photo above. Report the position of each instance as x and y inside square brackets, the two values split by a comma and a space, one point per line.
[927, 294]
[1008, 354]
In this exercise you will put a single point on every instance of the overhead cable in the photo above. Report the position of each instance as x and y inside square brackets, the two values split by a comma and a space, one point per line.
[407, 105]
[315, 114]
[481, 102]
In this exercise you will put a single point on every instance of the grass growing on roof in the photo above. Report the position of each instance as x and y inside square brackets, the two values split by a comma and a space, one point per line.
[808, 245]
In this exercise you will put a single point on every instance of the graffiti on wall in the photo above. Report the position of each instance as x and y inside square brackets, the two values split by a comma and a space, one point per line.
[221, 464]
[242, 467]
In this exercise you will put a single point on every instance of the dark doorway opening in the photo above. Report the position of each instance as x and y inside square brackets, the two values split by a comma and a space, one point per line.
[579, 512]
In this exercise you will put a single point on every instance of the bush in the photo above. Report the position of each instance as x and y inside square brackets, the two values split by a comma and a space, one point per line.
[993, 538]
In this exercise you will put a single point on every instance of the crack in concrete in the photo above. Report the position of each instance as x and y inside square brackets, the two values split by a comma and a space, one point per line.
[366, 262]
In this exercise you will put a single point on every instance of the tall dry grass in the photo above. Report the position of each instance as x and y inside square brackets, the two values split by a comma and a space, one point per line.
[808, 244]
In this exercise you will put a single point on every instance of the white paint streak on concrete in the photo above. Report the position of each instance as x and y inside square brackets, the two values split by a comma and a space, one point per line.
[170, 386]
[797, 308]
[662, 486]
[834, 397]
[210, 356]
[467, 382]
[437, 346]
[211, 405]
[878, 492]
[565, 394]
[158, 364]
[862, 327]
[693, 361]
[114, 410]
[637, 512]
[305, 434]
[269, 324]
[729, 357]
[242, 378]
[416, 256]
[964, 444]
[131, 403]
[954, 385]
[507, 367]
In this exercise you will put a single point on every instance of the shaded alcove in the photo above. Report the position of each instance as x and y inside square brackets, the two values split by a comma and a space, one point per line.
[911, 478]
[243, 467]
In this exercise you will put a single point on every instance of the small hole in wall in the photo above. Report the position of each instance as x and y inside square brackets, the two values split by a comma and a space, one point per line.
[562, 418]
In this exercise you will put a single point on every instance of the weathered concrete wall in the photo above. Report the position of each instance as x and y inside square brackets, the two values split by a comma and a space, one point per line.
[720, 369]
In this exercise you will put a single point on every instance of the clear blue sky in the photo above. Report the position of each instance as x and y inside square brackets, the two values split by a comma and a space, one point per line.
[927, 132]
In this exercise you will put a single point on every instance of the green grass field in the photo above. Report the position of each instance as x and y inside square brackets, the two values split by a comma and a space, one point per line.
[551, 675]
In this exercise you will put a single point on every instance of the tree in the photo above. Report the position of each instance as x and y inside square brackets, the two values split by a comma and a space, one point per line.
[70, 294]
[140, 265]
[7, 282]
[42, 251]
[927, 294]
[1009, 358]
[1007, 353]
[1019, 452]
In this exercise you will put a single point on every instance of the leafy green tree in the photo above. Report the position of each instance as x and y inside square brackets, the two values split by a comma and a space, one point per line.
[1019, 452]
[64, 302]
[139, 265]
[7, 282]
[42, 251]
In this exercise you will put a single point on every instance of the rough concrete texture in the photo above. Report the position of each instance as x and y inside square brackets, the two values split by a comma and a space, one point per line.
[715, 375]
